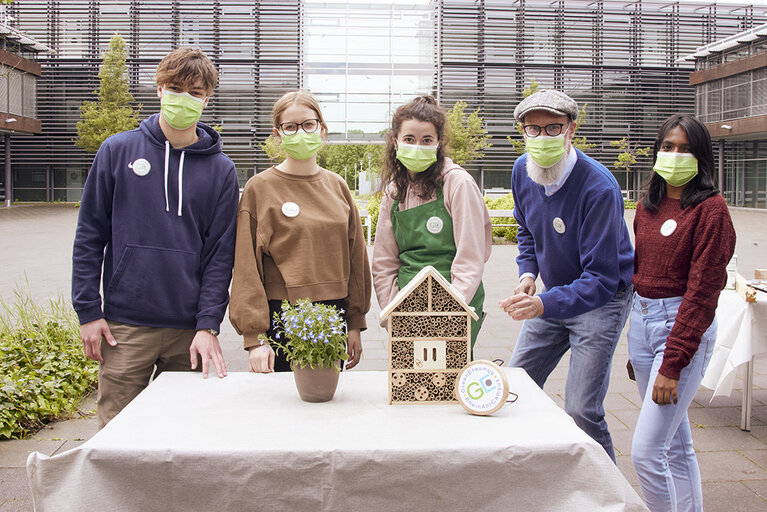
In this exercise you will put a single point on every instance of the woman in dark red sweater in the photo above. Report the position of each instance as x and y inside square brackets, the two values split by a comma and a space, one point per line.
[684, 240]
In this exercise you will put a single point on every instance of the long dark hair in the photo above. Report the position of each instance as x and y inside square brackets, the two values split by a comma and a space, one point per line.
[703, 185]
[423, 108]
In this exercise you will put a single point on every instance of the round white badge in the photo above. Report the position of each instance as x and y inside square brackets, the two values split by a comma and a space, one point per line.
[559, 225]
[668, 227]
[434, 225]
[290, 209]
[481, 387]
[140, 167]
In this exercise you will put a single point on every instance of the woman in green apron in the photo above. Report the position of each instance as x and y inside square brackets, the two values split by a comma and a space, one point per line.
[432, 212]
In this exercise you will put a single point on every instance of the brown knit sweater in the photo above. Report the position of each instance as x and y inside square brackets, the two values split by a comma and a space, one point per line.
[318, 254]
[691, 262]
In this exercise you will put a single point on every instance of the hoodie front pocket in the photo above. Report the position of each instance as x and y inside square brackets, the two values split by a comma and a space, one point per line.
[156, 280]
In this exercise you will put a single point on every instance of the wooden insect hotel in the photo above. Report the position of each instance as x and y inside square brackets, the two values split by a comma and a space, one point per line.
[429, 339]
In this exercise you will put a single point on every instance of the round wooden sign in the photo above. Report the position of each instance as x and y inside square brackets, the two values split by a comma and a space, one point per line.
[481, 387]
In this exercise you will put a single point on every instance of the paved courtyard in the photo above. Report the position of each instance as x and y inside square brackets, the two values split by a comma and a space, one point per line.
[36, 253]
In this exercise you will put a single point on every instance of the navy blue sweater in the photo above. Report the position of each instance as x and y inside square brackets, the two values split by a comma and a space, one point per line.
[589, 257]
[162, 223]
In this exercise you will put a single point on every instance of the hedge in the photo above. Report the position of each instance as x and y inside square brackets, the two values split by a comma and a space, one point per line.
[43, 372]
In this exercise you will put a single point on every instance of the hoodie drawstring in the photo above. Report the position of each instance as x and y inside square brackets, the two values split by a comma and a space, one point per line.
[180, 178]
[167, 155]
[180, 182]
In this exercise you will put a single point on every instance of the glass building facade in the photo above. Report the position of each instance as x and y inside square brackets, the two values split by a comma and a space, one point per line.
[731, 98]
[363, 59]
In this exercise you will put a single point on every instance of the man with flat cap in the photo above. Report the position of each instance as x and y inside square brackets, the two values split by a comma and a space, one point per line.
[571, 232]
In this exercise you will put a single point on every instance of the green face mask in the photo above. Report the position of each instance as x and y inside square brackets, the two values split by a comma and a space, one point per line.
[302, 145]
[676, 168]
[544, 150]
[180, 109]
[416, 158]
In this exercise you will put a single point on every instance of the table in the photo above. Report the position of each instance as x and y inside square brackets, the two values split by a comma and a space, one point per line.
[247, 442]
[741, 335]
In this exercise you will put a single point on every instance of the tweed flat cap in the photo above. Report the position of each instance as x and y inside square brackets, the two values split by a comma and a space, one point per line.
[549, 100]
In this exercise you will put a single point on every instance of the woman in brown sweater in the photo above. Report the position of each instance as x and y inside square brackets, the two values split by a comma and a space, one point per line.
[299, 236]
[684, 240]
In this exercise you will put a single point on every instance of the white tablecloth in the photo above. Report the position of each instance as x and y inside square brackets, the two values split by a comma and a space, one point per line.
[742, 334]
[247, 442]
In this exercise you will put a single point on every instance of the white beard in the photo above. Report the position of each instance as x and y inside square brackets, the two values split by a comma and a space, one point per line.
[546, 176]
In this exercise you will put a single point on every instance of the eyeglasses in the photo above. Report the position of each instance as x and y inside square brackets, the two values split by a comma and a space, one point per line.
[309, 126]
[552, 130]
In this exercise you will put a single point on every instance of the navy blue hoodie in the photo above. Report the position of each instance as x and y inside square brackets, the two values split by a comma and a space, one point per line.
[162, 222]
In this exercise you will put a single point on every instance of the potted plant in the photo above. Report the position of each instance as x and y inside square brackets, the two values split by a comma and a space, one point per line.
[313, 338]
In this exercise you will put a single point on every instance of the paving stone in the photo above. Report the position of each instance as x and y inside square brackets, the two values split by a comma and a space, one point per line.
[732, 497]
[626, 417]
[759, 487]
[15, 495]
[759, 412]
[620, 383]
[728, 466]
[629, 473]
[555, 386]
[703, 397]
[756, 456]
[711, 439]
[622, 439]
[619, 401]
[759, 432]
[72, 429]
[718, 416]
[15, 452]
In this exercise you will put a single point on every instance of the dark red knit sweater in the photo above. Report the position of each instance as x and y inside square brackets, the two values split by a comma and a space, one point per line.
[690, 262]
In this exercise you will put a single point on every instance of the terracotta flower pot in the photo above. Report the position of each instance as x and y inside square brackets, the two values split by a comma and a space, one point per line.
[315, 385]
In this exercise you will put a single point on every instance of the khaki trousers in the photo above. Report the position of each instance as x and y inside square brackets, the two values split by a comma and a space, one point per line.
[141, 354]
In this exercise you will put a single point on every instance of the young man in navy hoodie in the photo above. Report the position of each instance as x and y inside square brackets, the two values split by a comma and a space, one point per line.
[158, 216]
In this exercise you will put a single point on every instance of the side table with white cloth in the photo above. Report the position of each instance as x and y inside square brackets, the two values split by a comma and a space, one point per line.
[247, 442]
[742, 335]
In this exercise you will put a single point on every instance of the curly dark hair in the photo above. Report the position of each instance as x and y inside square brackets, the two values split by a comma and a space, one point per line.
[703, 185]
[423, 108]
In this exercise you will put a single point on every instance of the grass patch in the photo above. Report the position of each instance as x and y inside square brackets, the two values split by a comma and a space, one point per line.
[43, 371]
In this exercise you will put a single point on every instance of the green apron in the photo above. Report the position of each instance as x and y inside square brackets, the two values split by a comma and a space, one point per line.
[424, 235]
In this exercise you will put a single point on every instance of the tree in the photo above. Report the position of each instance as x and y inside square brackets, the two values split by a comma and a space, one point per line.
[112, 113]
[628, 157]
[578, 142]
[468, 136]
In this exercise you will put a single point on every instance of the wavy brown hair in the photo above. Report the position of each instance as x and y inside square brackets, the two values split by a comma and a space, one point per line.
[426, 109]
[184, 66]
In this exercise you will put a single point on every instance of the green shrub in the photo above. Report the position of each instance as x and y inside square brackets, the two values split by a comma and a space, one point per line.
[374, 208]
[43, 372]
[630, 205]
[503, 203]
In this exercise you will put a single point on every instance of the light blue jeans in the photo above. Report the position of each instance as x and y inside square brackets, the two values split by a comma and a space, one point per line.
[662, 448]
[591, 337]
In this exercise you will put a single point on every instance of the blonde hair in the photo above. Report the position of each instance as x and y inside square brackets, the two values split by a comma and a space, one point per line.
[183, 67]
[296, 98]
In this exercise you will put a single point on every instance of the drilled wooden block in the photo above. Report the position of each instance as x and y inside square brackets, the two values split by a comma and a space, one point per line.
[441, 300]
[423, 386]
[402, 355]
[428, 326]
[456, 354]
[418, 300]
